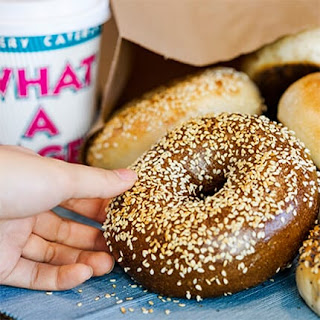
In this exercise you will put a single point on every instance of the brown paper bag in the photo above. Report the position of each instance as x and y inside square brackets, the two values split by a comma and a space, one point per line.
[154, 41]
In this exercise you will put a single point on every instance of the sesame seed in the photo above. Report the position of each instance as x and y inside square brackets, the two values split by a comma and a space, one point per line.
[190, 235]
[144, 310]
[198, 287]
[309, 252]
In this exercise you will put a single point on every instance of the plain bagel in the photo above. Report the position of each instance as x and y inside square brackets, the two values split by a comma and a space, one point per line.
[299, 110]
[140, 123]
[221, 204]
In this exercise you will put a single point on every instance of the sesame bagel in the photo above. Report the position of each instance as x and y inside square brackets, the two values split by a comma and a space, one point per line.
[277, 65]
[299, 110]
[140, 123]
[308, 270]
[221, 204]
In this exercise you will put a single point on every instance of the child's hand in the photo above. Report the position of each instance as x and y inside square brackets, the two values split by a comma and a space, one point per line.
[39, 250]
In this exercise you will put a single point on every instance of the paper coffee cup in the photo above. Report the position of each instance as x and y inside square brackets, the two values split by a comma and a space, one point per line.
[49, 52]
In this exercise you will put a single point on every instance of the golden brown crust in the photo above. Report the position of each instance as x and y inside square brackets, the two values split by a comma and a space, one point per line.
[176, 235]
[299, 110]
[308, 270]
[142, 122]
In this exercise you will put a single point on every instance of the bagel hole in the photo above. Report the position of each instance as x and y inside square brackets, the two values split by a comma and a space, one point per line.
[212, 188]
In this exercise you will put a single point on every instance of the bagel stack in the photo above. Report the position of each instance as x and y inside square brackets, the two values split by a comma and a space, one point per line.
[275, 66]
[140, 123]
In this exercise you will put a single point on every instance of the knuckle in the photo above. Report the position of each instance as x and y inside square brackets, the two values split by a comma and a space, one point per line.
[35, 276]
[50, 253]
[63, 231]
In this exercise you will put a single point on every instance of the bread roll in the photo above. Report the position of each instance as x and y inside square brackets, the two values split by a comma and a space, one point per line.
[299, 110]
[275, 66]
[140, 123]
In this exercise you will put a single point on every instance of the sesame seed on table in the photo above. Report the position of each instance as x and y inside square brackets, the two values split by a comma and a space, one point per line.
[272, 299]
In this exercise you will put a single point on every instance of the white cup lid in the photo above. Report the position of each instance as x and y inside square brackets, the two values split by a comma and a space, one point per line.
[39, 17]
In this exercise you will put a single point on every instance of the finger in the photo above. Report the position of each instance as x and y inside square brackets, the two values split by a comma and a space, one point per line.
[18, 149]
[91, 208]
[47, 182]
[89, 182]
[52, 228]
[40, 250]
[40, 276]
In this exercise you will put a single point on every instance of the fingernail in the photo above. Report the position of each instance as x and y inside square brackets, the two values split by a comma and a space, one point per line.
[88, 273]
[111, 266]
[126, 174]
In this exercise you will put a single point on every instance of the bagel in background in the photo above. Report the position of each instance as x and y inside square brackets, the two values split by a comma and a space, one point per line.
[140, 123]
[299, 110]
[275, 66]
[307, 274]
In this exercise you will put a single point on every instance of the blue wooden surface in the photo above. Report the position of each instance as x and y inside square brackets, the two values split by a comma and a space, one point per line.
[277, 298]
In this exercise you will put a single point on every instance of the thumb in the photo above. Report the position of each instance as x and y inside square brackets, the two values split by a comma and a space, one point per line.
[31, 184]
[89, 182]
